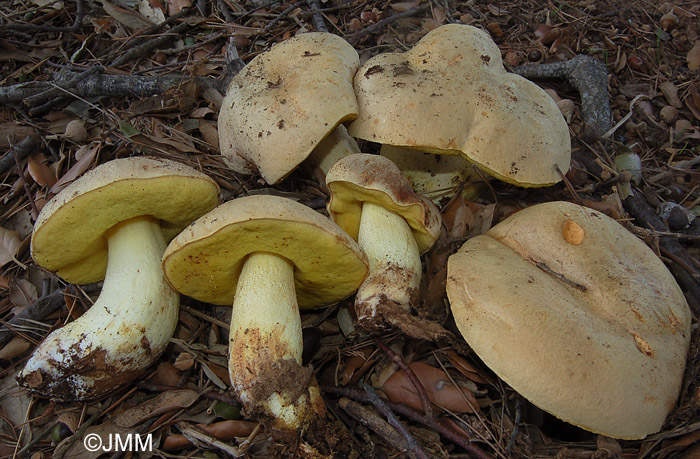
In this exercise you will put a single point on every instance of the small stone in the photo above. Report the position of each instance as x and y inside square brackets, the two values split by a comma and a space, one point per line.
[669, 114]
[573, 232]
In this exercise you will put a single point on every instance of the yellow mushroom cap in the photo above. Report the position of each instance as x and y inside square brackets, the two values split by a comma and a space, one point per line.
[69, 234]
[205, 260]
[285, 101]
[362, 177]
[592, 328]
[451, 94]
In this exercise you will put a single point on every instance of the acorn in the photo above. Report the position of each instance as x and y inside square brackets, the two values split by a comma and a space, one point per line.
[669, 21]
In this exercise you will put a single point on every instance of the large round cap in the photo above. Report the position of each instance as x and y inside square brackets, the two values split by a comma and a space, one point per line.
[285, 101]
[69, 233]
[205, 260]
[577, 315]
[450, 93]
[360, 178]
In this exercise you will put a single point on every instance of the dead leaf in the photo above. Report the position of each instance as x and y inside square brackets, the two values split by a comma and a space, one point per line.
[209, 133]
[483, 218]
[84, 159]
[670, 92]
[130, 19]
[22, 294]
[184, 361]
[693, 102]
[10, 243]
[438, 387]
[402, 7]
[175, 6]
[40, 172]
[468, 370]
[693, 57]
[229, 429]
[14, 407]
[152, 10]
[162, 403]
[167, 375]
[16, 347]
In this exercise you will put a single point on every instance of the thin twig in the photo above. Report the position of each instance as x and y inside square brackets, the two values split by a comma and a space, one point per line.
[354, 38]
[20, 172]
[317, 16]
[77, 23]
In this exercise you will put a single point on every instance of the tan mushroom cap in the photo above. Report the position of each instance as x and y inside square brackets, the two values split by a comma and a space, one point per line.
[69, 234]
[362, 178]
[451, 94]
[285, 101]
[577, 315]
[205, 260]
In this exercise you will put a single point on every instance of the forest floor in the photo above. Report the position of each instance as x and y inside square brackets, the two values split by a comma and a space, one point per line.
[169, 65]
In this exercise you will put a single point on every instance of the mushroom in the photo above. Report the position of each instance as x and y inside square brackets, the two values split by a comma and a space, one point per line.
[577, 315]
[434, 176]
[374, 203]
[338, 144]
[286, 101]
[113, 223]
[450, 94]
[267, 256]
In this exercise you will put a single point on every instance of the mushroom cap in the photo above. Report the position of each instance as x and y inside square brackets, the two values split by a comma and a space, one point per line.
[205, 260]
[577, 315]
[362, 177]
[285, 101]
[69, 234]
[451, 94]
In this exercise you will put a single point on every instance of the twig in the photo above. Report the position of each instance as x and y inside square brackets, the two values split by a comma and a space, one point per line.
[372, 420]
[354, 38]
[279, 17]
[680, 166]
[590, 77]
[42, 97]
[516, 424]
[413, 415]
[317, 16]
[379, 405]
[36, 311]
[202, 439]
[77, 23]
[21, 149]
[25, 185]
[420, 390]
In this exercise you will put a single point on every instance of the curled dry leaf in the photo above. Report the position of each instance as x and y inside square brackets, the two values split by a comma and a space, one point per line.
[84, 156]
[10, 243]
[166, 375]
[40, 172]
[224, 430]
[184, 361]
[468, 370]
[16, 347]
[438, 387]
[355, 367]
[162, 403]
[670, 92]
[693, 57]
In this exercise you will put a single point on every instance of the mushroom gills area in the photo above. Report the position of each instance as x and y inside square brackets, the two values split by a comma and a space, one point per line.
[126, 329]
[266, 343]
[394, 265]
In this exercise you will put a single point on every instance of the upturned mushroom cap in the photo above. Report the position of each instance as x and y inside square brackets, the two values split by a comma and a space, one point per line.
[451, 94]
[69, 233]
[285, 101]
[362, 178]
[577, 315]
[205, 260]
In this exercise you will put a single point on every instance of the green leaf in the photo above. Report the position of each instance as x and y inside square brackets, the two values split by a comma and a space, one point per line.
[127, 129]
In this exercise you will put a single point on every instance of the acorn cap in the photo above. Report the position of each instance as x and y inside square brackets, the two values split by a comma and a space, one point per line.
[205, 260]
[451, 94]
[285, 101]
[69, 234]
[577, 315]
[362, 178]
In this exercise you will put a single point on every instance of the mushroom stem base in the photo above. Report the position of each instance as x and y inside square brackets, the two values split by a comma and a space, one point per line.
[394, 266]
[266, 346]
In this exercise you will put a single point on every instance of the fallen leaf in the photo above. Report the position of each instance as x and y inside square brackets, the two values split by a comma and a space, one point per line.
[670, 92]
[162, 403]
[40, 172]
[209, 133]
[22, 294]
[152, 10]
[184, 361]
[693, 102]
[438, 387]
[130, 19]
[402, 7]
[88, 153]
[16, 347]
[693, 57]
[468, 370]
[175, 6]
[166, 375]
[10, 243]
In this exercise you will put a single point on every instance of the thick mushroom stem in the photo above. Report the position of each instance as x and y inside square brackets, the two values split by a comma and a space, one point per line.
[394, 265]
[126, 330]
[266, 346]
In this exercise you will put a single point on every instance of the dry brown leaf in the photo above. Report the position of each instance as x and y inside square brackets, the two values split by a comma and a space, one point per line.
[693, 102]
[152, 10]
[483, 218]
[10, 243]
[162, 403]
[16, 347]
[439, 14]
[184, 361]
[468, 370]
[84, 159]
[209, 133]
[438, 387]
[130, 19]
[175, 6]
[670, 92]
[40, 172]
[693, 57]
[401, 7]
[355, 367]
[22, 294]
[166, 375]
[229, 429]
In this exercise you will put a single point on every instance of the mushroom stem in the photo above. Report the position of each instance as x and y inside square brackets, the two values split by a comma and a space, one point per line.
[394, 264]
[266, 345]
[126, 330]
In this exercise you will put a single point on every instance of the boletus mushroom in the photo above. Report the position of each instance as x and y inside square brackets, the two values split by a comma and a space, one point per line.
[286, 101]
[577, 315]
[113, 223]
[450, 94]
[374, 203]
[267, 256]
